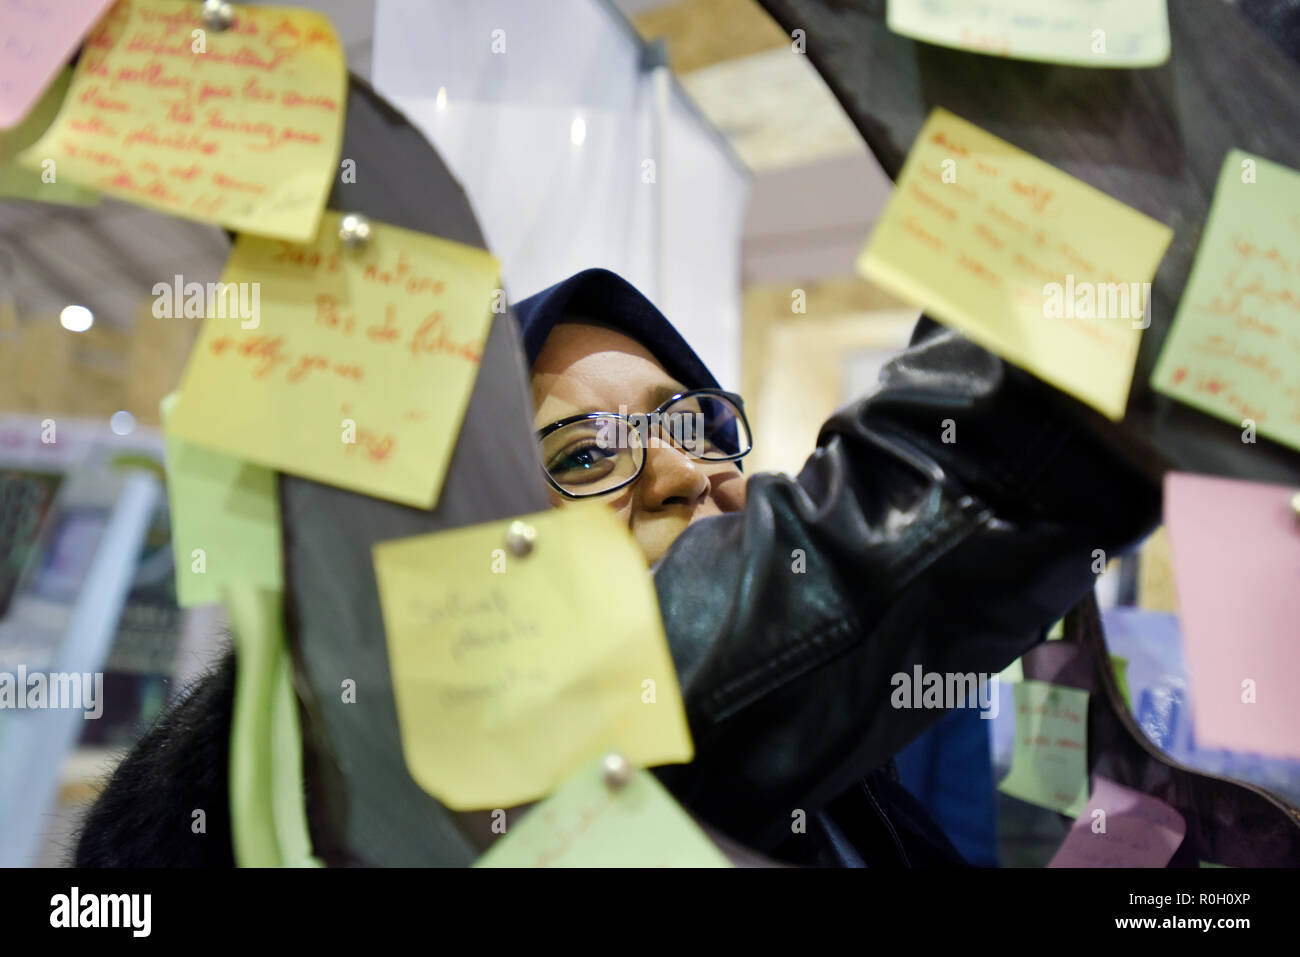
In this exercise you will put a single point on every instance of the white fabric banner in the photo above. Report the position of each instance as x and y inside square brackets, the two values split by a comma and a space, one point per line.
[547, 117]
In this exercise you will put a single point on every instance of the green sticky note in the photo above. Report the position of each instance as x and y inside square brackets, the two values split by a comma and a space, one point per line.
[1057, 631]
[225, 517]
[1049, 765]
[267, 809]
[22, 183]
[1097, 33]
[1233, 350]
[1120, 664]
[1209, 864]
[1013, 672]
[587, 823]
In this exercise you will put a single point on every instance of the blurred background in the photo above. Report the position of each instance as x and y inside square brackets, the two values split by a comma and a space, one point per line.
[685, 145]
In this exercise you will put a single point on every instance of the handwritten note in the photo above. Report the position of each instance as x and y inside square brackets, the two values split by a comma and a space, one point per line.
[1100, 33]
[512, 672]
[1042, 269]
[1132, 830]
[586, 823]
[238, 127]
[1236, 548]
[1049, 764]
[45, 186]
[225, 519]
[1234, 349]
[350, 367]
[36, 38]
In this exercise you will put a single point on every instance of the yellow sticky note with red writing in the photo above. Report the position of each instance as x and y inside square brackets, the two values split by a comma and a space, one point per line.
[1026, 260]
[240, 127]
[352, 367]
[512, 671]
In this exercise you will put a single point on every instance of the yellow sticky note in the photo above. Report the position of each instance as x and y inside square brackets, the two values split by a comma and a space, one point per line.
[1234, 348]
[239, 127]
[350, 367]
[1156, 589]
[1049, 765]
[225, 518]
[510, 673]
[1029, 262]
[589, 823]
[43, 186]
[1098, 33]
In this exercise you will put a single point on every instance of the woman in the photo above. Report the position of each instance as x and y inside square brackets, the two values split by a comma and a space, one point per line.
[789, 603]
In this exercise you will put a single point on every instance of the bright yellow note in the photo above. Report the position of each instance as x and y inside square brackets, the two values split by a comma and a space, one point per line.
[511, 673]
[225, 517]
[589, 823]
[44, 186]
[1029, 262]
[1234, 348]
[1098, 33]
[238, 127]
[350, 367]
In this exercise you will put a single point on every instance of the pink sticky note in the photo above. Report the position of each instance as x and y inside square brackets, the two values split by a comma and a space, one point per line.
[1121, 827]
[36, 38]
[1236, 548]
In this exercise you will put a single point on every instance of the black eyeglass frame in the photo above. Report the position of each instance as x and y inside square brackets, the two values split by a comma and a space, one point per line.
[731, 397]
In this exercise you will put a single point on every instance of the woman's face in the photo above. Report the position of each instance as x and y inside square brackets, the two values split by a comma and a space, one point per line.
[584, 368]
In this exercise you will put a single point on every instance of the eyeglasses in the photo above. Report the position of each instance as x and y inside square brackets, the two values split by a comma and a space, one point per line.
[595, 453]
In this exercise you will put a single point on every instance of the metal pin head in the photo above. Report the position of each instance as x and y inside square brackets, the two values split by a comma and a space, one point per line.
[1295, 504]
[618, 771]
[354, 230]
[217, 14]
[520, 538]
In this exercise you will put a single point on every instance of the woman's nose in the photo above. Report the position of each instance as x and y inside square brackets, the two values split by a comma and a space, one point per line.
[671, 477]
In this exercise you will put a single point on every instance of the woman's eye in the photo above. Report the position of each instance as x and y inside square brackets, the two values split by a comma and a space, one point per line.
[586, 458]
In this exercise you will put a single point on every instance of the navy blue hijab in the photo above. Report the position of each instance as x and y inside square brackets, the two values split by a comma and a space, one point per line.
[613, 301]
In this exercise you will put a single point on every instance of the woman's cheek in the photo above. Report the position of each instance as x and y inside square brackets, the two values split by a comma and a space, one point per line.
[728, 490]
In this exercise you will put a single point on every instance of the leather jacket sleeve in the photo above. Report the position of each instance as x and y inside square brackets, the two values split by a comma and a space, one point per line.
[945, 521]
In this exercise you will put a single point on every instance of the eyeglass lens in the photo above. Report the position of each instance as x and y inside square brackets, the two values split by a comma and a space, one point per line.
[603, 451]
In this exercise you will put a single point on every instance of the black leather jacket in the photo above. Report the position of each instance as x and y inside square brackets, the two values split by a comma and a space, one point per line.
[787, 620]
[952, 555]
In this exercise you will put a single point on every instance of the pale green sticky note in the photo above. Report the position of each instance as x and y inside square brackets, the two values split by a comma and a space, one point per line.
[1049, 765]
[588, 823]
[225, 517]
[1096, 33]
[1120, 665]
[1057, 631]
[23, 183]
[1233, 350]
[1013, 672]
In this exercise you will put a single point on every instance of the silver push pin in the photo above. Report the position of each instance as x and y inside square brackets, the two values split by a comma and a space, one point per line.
[218, 14]
[520, 538]
[618, 771]
[354, 230]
